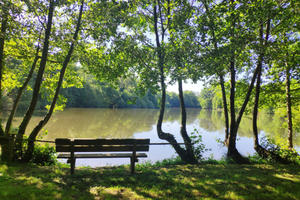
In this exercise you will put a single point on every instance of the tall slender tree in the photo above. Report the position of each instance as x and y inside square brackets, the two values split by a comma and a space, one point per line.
[42, 123]
[38, 82]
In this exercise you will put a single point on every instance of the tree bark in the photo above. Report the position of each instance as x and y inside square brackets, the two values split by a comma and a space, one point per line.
[233, 133]
[20, 92]
[255, 109]
[2, 41]
[38, 82]
[186, 138]
[259, 149]
[289, 107]
[42, 123]
[225, 109]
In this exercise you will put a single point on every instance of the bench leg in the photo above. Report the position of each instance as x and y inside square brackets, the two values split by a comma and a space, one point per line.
[132, 165]
[72, 165]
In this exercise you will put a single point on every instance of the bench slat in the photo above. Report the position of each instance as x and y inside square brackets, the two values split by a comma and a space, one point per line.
[102, 155]
[63, 141]
[67, 148]
[110, 141]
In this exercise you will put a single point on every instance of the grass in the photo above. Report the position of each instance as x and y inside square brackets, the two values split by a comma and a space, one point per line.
[159, 181]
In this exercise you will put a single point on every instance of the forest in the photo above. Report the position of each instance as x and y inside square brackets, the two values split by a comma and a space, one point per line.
[116, 54]
[95, 94]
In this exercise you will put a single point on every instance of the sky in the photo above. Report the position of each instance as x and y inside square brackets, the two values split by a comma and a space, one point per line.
[188, 86]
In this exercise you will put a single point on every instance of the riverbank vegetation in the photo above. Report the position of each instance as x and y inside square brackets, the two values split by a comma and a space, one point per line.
[246, 53]
[91, 93]
[166, 180]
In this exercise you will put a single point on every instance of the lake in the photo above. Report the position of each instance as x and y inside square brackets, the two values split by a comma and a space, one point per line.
[141, 123]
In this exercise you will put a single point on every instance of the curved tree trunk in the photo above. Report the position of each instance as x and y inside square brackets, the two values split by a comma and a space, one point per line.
[167, 136]
[187, 140]
[42, 123]
[20, 92]
[160, 52]
[38, 82]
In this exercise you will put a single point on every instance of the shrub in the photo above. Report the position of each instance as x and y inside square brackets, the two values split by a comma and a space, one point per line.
[44, 155]
[281, 151]
[198, 146]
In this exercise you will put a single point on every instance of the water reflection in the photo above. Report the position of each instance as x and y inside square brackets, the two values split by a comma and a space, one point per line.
[141, 123]
[106, 123]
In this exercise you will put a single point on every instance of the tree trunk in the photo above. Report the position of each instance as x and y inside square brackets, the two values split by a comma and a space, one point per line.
[2, 39]
[225, 109]
[289, 107]
[232, 151]
[186, 138]
[20, 92]
[234, 124]
[42, 123]
[255, 109]
[259, 149]
[38, 82]
[162, 135]
[167, 136]
[210, 20]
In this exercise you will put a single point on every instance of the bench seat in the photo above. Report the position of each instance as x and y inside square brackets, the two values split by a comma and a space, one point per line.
[101, 155]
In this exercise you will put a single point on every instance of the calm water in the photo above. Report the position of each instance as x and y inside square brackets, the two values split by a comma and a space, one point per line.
[141, 123]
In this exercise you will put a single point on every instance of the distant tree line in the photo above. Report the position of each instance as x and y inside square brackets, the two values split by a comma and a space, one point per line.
[92, 93]
[96, 94]
[110, 97]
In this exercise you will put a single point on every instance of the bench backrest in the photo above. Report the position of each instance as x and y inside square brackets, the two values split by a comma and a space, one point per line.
[101, 145]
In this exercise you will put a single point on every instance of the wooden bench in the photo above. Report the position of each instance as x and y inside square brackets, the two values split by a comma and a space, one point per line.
[70, 147]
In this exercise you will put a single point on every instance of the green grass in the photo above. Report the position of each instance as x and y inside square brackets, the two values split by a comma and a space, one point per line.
[158, 181]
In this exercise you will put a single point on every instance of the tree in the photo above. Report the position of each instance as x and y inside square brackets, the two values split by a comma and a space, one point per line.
[226, 48]
[39, 78]
[209, 16]
[280, 53]
[187, 154]
[42, 123]
[148, 27]
[285, 61]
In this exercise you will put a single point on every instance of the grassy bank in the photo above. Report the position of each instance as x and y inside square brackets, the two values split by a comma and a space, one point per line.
[207, 181]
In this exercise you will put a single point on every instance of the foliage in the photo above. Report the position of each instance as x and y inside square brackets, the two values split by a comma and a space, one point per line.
[161, 163]
[44, 155]
[198, 145]
[281, 149]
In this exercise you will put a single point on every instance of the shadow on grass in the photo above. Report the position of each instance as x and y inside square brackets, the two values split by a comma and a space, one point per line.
[228, 181]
